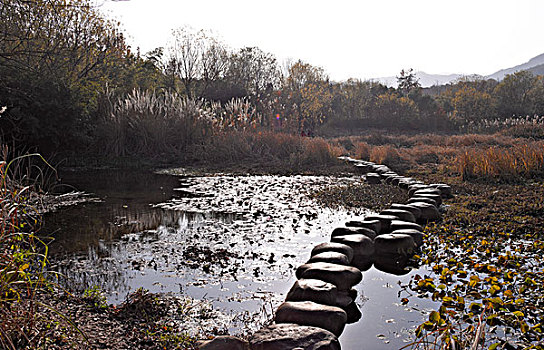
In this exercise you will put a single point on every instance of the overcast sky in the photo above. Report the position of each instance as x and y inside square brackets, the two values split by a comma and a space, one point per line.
[359, 39]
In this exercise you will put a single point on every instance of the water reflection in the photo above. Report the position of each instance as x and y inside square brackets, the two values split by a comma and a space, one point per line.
[233, 240]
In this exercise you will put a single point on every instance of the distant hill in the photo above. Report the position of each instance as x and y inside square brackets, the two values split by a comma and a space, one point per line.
[538, 70]
[535, 65]
[425, 79]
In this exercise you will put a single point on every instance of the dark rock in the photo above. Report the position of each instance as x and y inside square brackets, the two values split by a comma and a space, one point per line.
[394, 244]
[422, 199]
[343, 277]
[374, 225]
[361, 244]
[385, 221]
[330, 257]
[415, 211]
[353, 313]
[416, 187]
[292, 336]
[429, 212]
[363, 168]
[404, 215]
[308, 313]
[400, 225]
[344, 231]
[417, 235]
[382, 169]
[373, 178]
[224, 342]
[406, 182]
[313, 290]
[396, 180]
[428, 190]
[333, 247]
[445, 190]
[436, 197]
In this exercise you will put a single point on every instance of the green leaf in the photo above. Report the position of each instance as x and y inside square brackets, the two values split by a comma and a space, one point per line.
[434, 317]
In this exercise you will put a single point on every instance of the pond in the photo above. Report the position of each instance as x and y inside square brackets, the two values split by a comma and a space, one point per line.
[234, 241]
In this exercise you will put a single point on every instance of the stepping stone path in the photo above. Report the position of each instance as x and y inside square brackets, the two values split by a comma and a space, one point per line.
[321, 302]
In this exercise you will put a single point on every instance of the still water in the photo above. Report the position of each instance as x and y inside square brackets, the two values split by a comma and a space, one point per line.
[233, 241]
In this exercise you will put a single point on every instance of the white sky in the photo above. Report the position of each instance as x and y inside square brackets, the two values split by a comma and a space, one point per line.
[350, 38]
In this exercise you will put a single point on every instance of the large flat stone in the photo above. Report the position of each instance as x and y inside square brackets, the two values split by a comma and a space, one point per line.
[308, 313]
[417, 235]
[333, 247]
[394, 244]
[402, 214]
[342, 231]
[330, 257]
[343, 277]
[287, 336]
[362, 245]
[415, 211]
[374, 225]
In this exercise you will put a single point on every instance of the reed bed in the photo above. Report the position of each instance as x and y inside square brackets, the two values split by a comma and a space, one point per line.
[520, 161]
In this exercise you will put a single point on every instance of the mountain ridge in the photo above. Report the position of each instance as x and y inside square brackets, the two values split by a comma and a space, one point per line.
[534, 65]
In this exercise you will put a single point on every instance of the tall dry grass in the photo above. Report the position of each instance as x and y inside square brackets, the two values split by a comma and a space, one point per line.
[506, 164]
[151, 124]
[267, 149]
[23, 257]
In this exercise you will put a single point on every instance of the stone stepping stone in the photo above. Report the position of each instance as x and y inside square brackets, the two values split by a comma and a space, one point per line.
[394, 244]
[396, 180]
[412, 189]
[363, 168]
[343, 277]
[293, 336]
[385, 221]
[362, 245]
[333, 247]
[416, 187]
[436, 197]
[422, 199]
[417, 235]
[404, 215]
[374, 225]
[373, 179]
[353, 312]
[345, 231]
[401, 225]
[407, 182]
[318, 291]
[445, 190]
[381, 169]
[308, 313]
[415, 211]
[330, 257]
[429, 212]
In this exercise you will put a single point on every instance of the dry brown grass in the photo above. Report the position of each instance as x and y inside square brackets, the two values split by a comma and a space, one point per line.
[506, 164]
[283, 152]
[490, 157]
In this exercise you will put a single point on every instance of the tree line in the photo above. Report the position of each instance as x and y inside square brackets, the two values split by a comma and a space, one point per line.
[65, 69]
